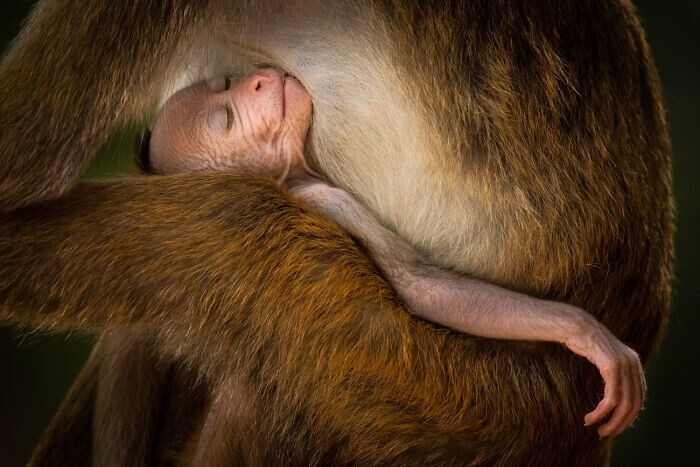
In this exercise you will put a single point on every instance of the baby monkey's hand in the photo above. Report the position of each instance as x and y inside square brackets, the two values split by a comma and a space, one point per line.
[621, 369]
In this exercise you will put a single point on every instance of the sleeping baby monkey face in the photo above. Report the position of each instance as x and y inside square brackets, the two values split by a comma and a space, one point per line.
[258, 123]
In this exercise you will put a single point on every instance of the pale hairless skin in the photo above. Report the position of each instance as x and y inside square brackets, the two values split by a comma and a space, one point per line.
[261, 123]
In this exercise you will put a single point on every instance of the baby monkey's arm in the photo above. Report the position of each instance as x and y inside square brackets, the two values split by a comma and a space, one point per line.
[483, 309]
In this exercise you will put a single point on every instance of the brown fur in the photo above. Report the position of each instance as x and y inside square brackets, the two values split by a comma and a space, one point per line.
[547, 170]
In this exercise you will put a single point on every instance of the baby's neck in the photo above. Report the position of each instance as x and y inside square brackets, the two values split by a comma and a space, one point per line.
[301, 169]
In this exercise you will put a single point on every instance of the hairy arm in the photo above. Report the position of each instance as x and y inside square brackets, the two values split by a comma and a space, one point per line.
[479, 308]
[98, 246]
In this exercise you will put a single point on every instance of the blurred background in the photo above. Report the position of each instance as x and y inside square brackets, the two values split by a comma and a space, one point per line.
[36, 370]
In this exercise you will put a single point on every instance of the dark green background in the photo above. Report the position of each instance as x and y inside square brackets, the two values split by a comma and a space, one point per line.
[36, 370]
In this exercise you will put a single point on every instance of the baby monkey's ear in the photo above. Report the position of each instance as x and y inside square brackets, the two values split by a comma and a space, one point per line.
[142, 155]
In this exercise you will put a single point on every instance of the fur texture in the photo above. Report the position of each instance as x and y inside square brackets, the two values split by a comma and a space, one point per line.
[521, 142]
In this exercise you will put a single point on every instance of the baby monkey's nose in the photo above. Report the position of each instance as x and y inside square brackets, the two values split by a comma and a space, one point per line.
[263, 79]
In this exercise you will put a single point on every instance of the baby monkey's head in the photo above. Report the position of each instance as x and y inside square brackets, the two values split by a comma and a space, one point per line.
[259, 123]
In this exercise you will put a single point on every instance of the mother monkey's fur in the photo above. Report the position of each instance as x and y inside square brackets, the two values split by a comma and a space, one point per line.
[520, 142]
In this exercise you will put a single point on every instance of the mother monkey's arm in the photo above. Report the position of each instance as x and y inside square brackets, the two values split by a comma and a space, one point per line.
[175, 251]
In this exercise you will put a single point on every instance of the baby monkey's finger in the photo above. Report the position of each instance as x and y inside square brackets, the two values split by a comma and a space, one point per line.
[639, 386]
[627, 401]
[608, 403]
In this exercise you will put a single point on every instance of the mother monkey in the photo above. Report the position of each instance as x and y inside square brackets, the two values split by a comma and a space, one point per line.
[520, 142]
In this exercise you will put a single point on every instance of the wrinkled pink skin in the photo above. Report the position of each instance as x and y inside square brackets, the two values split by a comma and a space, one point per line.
[261, 124]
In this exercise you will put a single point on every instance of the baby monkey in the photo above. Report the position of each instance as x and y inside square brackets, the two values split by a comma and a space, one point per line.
[260, 123]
